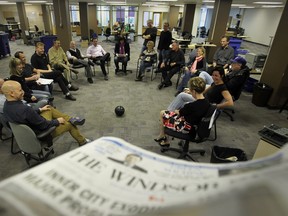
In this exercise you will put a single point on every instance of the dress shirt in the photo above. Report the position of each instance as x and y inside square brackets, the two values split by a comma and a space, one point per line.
[95, 51]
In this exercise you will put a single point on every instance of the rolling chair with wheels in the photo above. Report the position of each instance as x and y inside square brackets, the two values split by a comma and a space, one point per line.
[32, 146]
[107, 34]
[200, 134]
[151, 69]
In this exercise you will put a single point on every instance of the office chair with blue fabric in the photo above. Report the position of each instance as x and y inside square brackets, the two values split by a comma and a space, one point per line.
[199, 134]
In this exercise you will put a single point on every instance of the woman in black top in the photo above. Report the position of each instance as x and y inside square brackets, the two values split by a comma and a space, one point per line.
[16, 68]
[184, 119]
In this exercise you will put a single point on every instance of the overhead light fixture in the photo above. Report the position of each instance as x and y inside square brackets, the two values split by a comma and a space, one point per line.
[36, 1]
[207, 1]
[238, 5]
[164, 0]
[272, 3]
[272, 6]
[209, 6]
[247, 7]
[115, 1]
[7, 3]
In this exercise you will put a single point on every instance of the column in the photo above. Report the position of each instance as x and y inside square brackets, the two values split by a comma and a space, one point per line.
[92, 21]
[24, 25]
[188, 17]
[275, 71]
[83, 9]
[173, 16]
[46, 18]
[62, 21]
[218, 24]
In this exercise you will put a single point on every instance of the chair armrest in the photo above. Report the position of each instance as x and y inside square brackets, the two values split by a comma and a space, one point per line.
[46, 132]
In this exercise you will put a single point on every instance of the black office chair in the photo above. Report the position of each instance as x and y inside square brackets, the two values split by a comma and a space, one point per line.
[107, 34]
[200, 134]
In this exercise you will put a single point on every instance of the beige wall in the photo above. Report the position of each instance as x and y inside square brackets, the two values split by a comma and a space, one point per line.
[34, 14]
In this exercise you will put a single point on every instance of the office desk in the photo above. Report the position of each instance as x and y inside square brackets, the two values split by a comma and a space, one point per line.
[264, 149]
[204, 45]
[179, 39]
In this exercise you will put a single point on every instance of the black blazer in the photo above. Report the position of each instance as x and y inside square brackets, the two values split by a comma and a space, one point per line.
[126, 47]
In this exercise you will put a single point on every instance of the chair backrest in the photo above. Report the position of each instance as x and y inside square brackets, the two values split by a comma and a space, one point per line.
[26, 138]
[236, 94]
[206, 123]
[4, 122]
[108, 31]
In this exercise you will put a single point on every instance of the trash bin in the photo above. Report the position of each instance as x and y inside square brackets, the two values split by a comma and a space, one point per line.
[261, 94]
[227, 155]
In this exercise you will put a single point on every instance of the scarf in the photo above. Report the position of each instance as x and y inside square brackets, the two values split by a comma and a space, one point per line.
[194, 64]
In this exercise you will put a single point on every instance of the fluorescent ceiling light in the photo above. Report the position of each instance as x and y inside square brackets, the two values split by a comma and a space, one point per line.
[247, 7]
[36, 1]
[238, 5]
[207, 1]
[7, 3]
[272, 6]
[164, 0]
[272, 3]
[209, 6]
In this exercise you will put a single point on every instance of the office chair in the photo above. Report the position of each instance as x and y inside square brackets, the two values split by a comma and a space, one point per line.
[4, 124]
[107, 34]
[29, 38]
[32, 146]
[151, 68]
[200, 134]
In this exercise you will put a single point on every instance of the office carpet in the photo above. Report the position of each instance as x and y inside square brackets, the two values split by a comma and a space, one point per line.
[142, 102]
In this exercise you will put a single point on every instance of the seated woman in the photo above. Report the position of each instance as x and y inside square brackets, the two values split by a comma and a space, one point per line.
[147, 59]
[30, 96]
[198, 64]
[217, 93]
[122, 54]
[191, 114]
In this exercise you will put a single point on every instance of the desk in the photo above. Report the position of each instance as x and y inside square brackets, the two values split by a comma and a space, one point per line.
[179, 39]
[204, 45]
[264, 149]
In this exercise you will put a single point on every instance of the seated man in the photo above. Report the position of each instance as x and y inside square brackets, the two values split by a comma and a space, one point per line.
[59, 61]
[171, 65]
[75, 57]
[147, 58]
[42, 119]
[122, 54]
[31, 74]
[97, 53]
[40, 62]
[223, 55]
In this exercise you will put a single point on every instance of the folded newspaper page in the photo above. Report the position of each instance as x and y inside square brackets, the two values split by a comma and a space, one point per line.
[44, 81]
[110, 177]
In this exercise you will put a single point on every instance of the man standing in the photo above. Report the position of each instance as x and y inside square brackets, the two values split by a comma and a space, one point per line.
[149, 34]
[171, 65]
[223, 54]
[97, 53]
[164, 43]
[59, 61]
[40, 60]
[42, 119]
[75, 57]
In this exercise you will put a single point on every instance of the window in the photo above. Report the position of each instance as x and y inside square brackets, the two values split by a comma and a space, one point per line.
[74, 14]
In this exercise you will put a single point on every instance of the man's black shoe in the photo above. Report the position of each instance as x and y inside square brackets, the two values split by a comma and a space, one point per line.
[90, 80]
[73, 88]
[70, 97]
[138, 79]
[160, 86]
[167, 84]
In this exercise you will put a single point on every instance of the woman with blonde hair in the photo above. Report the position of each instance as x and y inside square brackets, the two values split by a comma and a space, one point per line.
[30, 96]
[182, 120]
[198, 64]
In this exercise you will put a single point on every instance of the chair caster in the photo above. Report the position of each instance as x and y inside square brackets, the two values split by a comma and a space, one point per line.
[162, 150]
[202, 153]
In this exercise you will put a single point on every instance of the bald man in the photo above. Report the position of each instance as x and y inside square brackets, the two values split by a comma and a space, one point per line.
[75, 57]
[41, 119]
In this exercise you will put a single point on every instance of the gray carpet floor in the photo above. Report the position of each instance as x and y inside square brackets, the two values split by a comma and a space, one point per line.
[142, 102]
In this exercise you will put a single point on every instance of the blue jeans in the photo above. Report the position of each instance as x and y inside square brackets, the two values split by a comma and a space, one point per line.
[142, 67]
[162, 54]
[207, 78]
[179, 101]
[185, 79]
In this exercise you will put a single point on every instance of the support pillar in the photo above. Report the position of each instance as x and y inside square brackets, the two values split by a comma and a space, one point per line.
[24, 25]
[173, 16]
[46, 19]
[62, 21]
[218, 25]
[275, 71]
[188, 17]
[83, 9]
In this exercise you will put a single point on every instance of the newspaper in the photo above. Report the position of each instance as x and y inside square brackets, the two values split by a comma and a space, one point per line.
[112, 177]
[44, 81]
